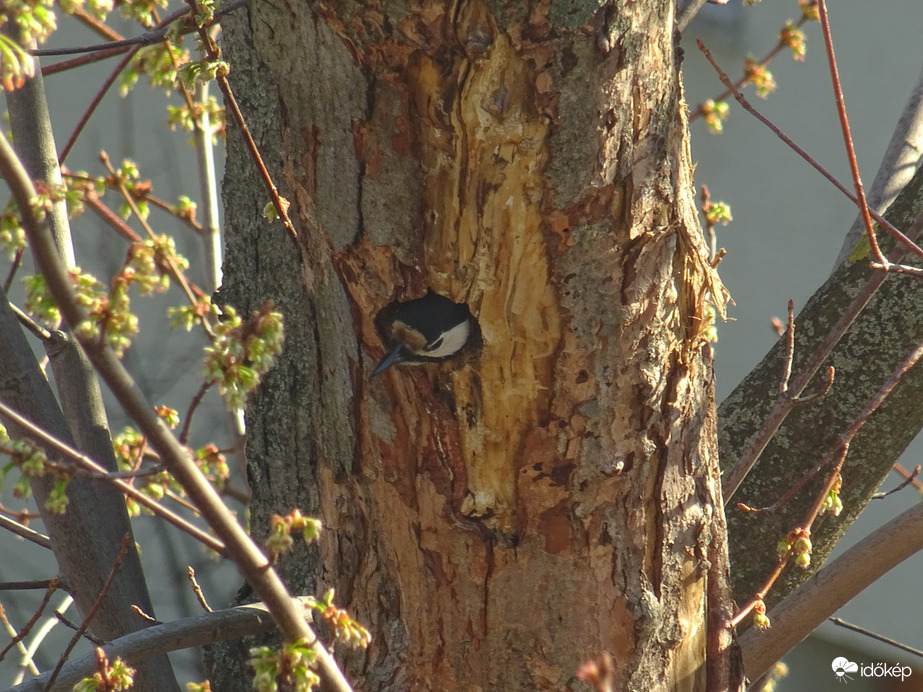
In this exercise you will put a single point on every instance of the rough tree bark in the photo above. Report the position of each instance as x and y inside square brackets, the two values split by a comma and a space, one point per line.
[499, 519]
[886, 331]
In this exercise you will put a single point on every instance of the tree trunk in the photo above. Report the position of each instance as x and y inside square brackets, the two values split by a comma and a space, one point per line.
[501, 518]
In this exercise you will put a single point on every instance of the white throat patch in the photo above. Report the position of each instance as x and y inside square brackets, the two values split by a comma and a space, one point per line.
[448, 343]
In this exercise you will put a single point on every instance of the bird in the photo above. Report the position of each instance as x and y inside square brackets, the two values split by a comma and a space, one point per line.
[431, 328]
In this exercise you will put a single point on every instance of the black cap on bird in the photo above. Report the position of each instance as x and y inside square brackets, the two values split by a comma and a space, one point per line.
[431, 328]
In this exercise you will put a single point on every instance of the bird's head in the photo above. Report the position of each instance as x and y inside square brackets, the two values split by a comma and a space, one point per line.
[431, 328]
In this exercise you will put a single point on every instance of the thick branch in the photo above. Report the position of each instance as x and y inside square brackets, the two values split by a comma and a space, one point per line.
[221, 625]
[889, 328]
[817, 599]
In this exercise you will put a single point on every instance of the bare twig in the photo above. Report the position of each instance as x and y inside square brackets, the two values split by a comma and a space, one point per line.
[230, 104]
[847, 136]
[876, 636]
[197, 590]
[854, 427]
[97, 99]
[732, 480]
[84, 626]
[193, 407]
[898, 165]
[25, 629]
[903, 484]
[69, 624]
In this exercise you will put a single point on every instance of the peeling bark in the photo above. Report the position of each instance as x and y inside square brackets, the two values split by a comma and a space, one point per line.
[501, 518]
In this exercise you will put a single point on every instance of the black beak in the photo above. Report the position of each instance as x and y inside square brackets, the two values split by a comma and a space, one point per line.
[395, 355]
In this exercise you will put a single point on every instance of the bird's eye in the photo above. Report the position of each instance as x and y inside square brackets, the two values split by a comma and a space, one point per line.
[434, 345]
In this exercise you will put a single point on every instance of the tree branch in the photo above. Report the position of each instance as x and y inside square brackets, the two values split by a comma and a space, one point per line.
[220, 625]
[249, 559]
[832, 587]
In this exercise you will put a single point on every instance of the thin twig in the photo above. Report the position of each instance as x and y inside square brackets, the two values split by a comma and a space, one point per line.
[903, 484]
[898, 165]
[64, 620]
[146, 39]
[97, 99]
[24, 631]
[750, 108]
[37, 330]
[733, 87]
[25, 532]
[822, 392]
[832, 587]
[876, 636]
[47, 439]
[96, 25]
[230, 104]
[847, 136]
[104, 592]
[193, 406]
[126, 195]
[784, 405]
[197, 590]
[883, 392]
[14, 267]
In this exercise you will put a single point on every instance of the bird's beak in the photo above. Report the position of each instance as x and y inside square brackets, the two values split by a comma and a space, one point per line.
[394, 356]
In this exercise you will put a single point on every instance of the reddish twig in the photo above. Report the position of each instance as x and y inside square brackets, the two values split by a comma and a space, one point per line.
[910, 246]
[909, 479]
[123, 551]
[847, 136]
[97, 99]
[886, 388]
[743, 81]
[50, 588]
[230, 104]
[193, 405]
[99, 27]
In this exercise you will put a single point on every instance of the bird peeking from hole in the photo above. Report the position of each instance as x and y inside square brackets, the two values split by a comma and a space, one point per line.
[426, 330]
